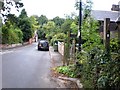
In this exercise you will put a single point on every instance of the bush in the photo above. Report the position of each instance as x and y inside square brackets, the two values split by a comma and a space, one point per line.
[67, 70]
[49, 37]
[57, 37]
[114, 45]
[41, 34]
[99, 69]
[19, 35]
[11, 35]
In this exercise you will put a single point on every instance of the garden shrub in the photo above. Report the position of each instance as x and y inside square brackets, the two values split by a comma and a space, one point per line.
[58, 37]
[100, 69]
[11, 35]
[19, 35]
[67, 70]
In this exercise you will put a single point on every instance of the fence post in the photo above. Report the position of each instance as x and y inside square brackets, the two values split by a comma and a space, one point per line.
[64, 56]
[68, 49]
[107, 34]
[74, 50]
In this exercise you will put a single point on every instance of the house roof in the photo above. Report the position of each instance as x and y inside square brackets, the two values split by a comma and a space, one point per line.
[118, 20]
[100, 15]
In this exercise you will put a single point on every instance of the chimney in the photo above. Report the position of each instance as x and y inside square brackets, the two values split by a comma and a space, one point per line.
[115, 7]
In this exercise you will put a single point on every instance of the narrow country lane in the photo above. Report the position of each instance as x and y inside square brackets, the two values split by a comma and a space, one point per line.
[26, 67]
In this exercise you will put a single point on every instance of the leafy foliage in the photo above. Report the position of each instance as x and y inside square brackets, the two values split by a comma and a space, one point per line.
[10, 35]
[42, 20]
[6, 7]
[23, 14]
[0, 35]
[74, 28]
[26, 26]
[90, 34]
[58, 21]
[19, 34]
[66, 26]
[58, 37]
[41, 34]
[99, 68]
[96, 67]
[14, 20]
[67, 70]
[114, 46]
[49, 27]
[34, 24]
[19, 29]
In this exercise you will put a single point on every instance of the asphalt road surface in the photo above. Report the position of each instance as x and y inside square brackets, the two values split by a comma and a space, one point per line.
[26, 67]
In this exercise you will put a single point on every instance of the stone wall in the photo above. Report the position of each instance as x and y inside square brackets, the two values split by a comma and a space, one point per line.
[61, 48]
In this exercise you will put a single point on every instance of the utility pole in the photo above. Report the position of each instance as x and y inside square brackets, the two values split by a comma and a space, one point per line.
[107, 34]
[80, 24]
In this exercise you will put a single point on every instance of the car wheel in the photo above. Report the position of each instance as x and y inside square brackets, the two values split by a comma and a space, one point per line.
[38, 49]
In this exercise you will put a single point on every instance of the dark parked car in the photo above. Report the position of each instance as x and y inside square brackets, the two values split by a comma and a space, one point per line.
[43, 45]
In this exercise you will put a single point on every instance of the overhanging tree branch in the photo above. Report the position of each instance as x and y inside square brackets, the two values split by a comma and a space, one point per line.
[6, 5]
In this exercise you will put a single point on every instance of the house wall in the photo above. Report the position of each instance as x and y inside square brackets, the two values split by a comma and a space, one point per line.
[113, 30]
[119, 31]
[113, 34]
[119, 25]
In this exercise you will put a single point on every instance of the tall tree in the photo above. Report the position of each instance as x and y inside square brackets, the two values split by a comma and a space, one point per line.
[58, 21]
[74, 28]
[25, 25]
[66, 26]
[13, 19]
[23, 14]
[34, 23]
[6, 5]
[49, 27]
[36, 16]
[42, 19]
